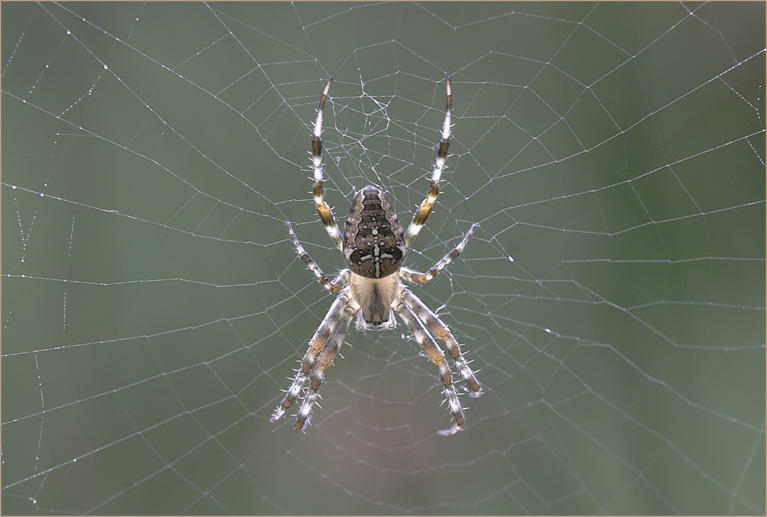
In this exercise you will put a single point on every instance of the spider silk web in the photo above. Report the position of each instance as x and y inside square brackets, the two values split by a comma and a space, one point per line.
[612, 298]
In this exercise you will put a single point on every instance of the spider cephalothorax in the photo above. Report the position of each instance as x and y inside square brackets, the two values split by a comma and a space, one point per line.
[374, 247]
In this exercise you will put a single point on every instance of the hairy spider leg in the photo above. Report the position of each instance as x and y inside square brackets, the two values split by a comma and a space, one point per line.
[317, 343]
[419, 219]
[348, 309]
[326, 215]
[333, 286]
[436, 325]
[421, 278]
[422, 336]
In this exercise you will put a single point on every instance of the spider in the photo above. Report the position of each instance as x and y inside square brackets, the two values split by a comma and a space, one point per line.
[374, 247]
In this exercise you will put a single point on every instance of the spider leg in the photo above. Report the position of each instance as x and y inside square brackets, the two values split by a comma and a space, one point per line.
[326, 215]
[436, 325]
[429, 346]
[431, 197]
[347, 309]
[318, 341]
[421, 278]
[333, 286]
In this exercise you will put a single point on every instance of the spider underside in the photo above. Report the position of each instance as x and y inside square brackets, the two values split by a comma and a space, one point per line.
[374, 247]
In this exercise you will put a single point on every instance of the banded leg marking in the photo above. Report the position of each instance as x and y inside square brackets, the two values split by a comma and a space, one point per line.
[317, 343]
[419, 219]
[442, 331]
[421, 278]
[326, 215]
[422, 336]
[346, 313]
[332, 286]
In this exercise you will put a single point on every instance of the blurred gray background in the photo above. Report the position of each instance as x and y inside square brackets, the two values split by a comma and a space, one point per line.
[613, 298]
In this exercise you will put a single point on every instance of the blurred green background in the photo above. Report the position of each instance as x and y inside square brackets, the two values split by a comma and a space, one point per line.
[613, 299]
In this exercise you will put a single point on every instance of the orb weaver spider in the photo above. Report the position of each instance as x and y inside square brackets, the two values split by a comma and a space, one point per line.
[374, 247]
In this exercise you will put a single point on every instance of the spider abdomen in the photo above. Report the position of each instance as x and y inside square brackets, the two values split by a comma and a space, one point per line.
[374, 245]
